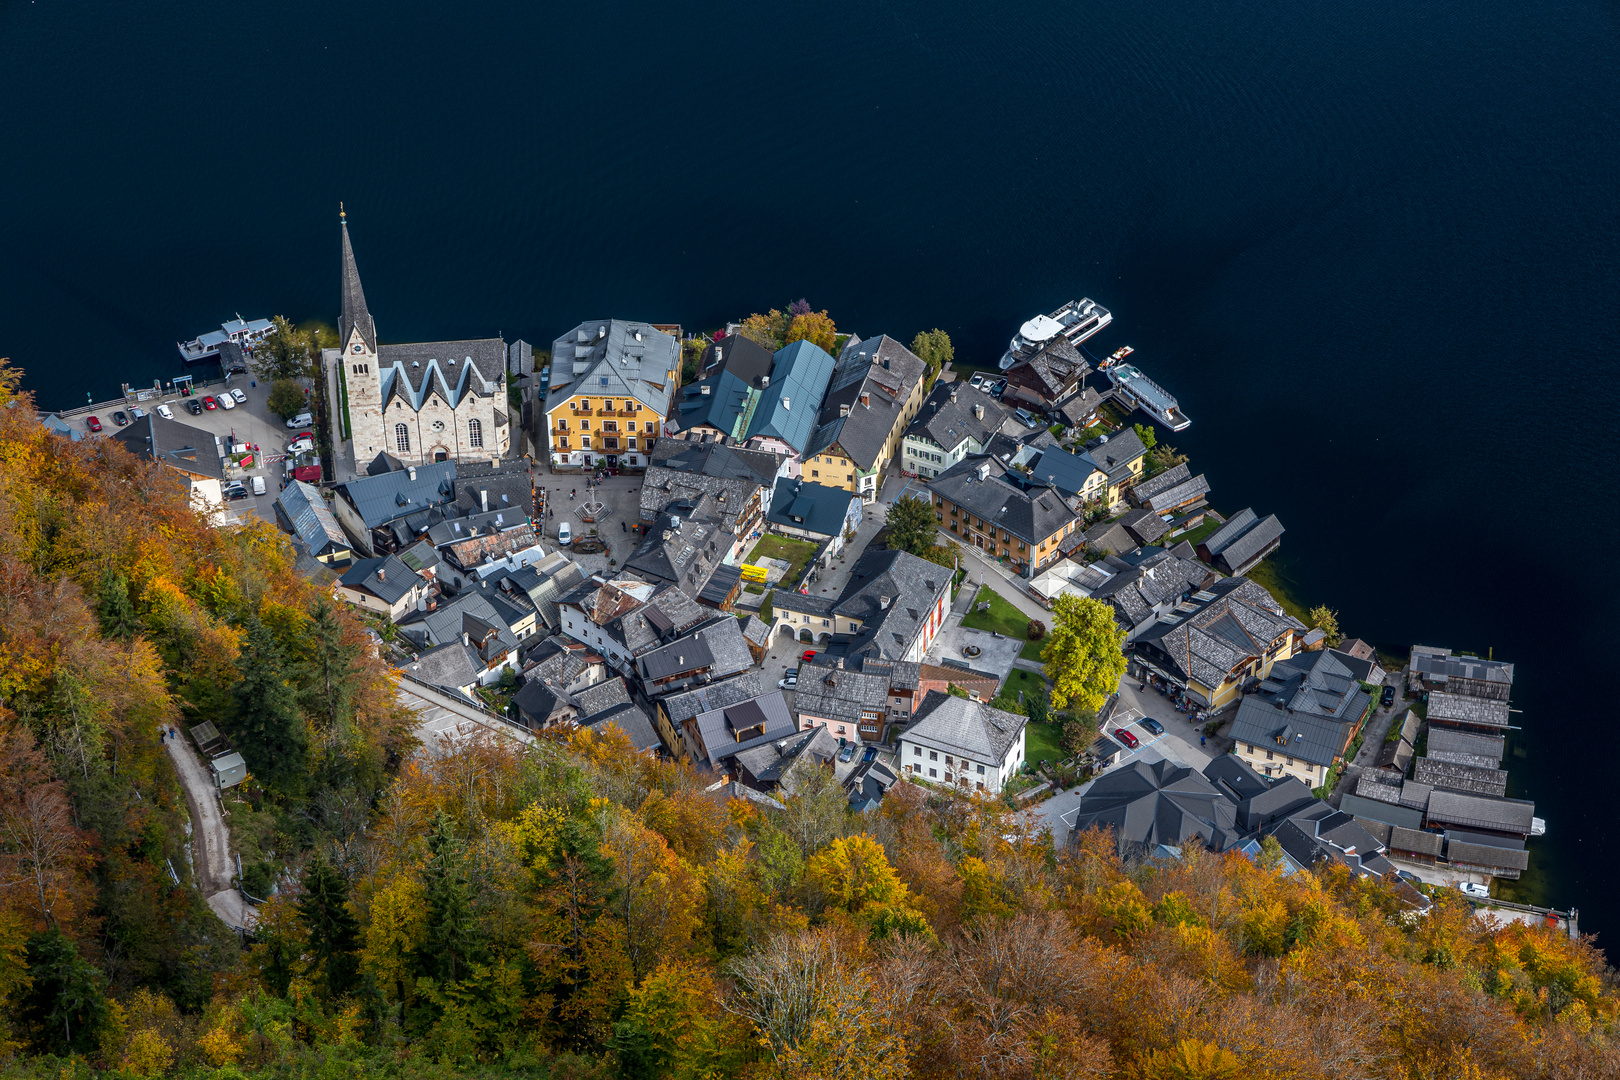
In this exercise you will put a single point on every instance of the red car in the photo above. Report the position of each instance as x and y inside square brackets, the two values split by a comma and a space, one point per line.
[210, 403]
[94, 423]
[809, 655]
[1127, 738]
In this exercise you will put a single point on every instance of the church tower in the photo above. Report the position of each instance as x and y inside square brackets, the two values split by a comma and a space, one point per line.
[357, 337]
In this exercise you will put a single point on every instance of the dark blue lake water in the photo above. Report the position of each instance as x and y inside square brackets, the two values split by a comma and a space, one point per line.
[1372, 246]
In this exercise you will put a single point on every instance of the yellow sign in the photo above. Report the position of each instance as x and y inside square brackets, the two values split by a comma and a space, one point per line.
[753, 573]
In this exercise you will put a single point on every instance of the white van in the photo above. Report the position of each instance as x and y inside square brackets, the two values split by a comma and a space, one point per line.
[258, 485]
[303, 419]
[564, 536]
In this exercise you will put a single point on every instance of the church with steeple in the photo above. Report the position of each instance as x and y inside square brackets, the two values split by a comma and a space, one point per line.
[434, 401]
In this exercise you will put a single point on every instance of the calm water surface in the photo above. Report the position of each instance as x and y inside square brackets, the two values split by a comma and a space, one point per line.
[1371, 245]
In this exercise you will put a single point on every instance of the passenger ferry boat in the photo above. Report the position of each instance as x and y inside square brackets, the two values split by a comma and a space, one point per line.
[1138, 391]
[239, 330]
[1075, 322]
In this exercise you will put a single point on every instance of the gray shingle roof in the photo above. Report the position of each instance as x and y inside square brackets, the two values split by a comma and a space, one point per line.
[447, 622]
[1450, 776]
[1241, 620]
[380, 499]
[773, 763]
[601, 697]
[756, 631]
[720, 727]
[1480, 849]
[169, 442]
[1144, 526]
[397, 580]
[1481, 812]
[452, 666]
[716, 695]
[1065, 471]
[912, 586]
[1027, 508]
[744, 358]
[1465, 747]
[638, 366]
[1176, 474]
[965, 727]
[453, 370]
[719, 647]
[1457, 709]
[669, 614]
[1188, 491]
[1052, 374]
[628, 718]
[1242, 540]
[1438, 666]
[301, 507]
[865, 399]
[838, 695]
[1148, 804]
[684, 552]
[813, 507]
[1116, 450]
[946, 416]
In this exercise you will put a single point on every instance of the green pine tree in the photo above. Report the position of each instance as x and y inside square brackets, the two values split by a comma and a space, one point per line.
[66, 1007]
[265, 724]
[114, 609]
[453, 941]
[912, 526]
[334, 933]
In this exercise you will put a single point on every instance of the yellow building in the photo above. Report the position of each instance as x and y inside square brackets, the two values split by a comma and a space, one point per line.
[610, 389]
[876, 389]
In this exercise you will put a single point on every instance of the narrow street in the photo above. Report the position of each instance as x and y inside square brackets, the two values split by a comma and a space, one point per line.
[212, 861]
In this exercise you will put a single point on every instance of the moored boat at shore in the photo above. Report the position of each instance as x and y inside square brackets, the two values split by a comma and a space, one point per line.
[1074, 322]
[1140, 392]
[237, 330]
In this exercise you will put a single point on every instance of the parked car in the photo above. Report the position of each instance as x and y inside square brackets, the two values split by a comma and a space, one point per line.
[847, 753]
[235, 491]
[119, 418]
[209, 403]
[565, 535]
[165, 412]
[1387, 698]
[239, 395]
[1127, 738]
[195, 406]
[302, 444]
[977, 381]
[303, 419]
[788, 683]
[226, 401]
[809, 655]
[258, 485]
[1153, 725]
[137, 412]
[1477, 892]
[93, 423]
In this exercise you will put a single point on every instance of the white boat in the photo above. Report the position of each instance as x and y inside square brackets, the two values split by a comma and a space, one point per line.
[239, 330]
[1074, 322]
[1140, 392]
[1538, 826]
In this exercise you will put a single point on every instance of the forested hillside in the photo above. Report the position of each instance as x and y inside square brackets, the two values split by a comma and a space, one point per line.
[578, 910]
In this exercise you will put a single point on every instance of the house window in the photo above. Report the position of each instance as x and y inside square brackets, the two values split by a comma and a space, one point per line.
[840, 729]
[1270, 757]
[574, 405]
[402, 438]
[632, 441]
[981, 773]
[815, 472]
[610, 444]
[586, 404]
[562, 443]
[603, 382]
[585, 442]
[826, 622]
[610, 425]
[979, 785]
[1251, 748]
[562, 423]
[584, 425]
[933, 772]
[475, 433]
[917, 750]
[933, 755]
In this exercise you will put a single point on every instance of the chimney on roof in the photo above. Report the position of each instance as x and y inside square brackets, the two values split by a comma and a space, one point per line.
[704, 389]
[866, 400]
[978, 411]
[411, 471]
[380, 574]
[483, 499]
[465, 640]
[764, 381]
[884, 602]
[843, 410]
[983, 471]
[786, 405]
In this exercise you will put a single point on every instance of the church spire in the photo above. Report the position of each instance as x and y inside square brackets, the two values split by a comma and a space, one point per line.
[354, 315]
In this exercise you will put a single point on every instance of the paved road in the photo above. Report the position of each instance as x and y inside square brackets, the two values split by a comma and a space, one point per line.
[210, 836]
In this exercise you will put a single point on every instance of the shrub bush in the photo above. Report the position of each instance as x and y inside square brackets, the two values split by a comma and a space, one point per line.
[1037, 630]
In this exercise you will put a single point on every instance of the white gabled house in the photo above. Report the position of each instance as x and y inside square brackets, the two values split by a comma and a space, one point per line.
[963, 743]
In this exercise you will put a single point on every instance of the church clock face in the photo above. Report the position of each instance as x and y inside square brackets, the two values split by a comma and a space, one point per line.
[358, 348]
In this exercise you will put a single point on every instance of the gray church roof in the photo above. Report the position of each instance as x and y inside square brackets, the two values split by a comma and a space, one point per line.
[354, 312]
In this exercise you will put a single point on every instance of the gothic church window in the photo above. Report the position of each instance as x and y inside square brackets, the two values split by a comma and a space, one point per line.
[402, 438]
[475, 433]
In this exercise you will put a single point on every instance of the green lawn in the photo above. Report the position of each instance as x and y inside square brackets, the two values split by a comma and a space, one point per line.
[1032, 649]
[1041, 742]
[1002, 617]
[1021, 680]
[1195, 535]
[796, 552]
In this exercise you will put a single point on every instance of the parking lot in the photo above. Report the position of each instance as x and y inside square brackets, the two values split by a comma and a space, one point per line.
[249, 422]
